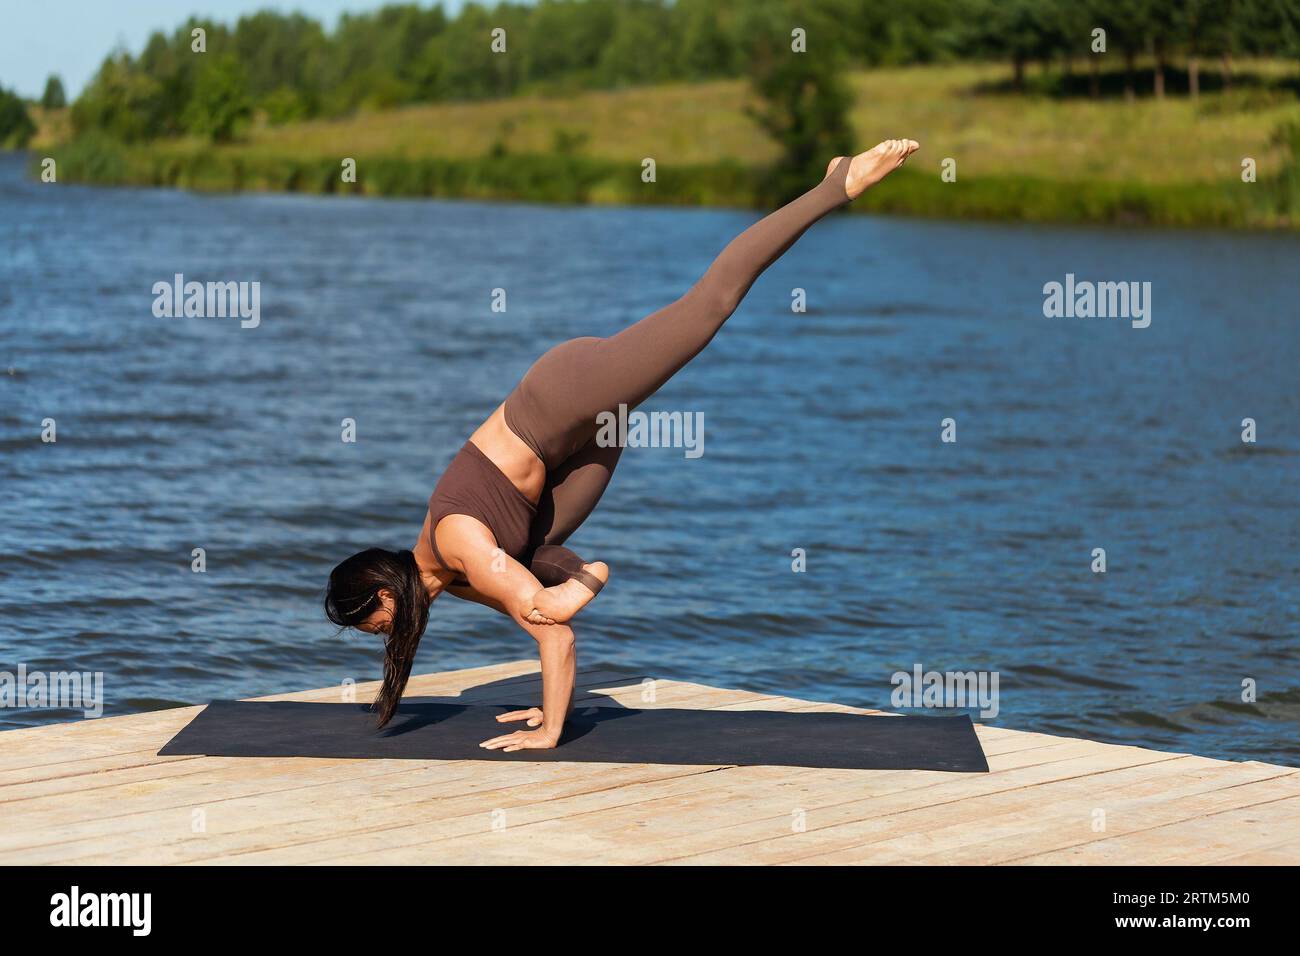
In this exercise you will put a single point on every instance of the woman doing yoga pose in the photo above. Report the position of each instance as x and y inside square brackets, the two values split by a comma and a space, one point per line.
[532, 473]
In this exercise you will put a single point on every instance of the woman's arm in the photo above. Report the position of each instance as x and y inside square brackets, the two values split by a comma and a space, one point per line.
[467, 593]
[470, 548]
[558, 648]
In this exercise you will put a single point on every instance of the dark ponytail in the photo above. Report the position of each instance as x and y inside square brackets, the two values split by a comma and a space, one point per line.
[352, 595]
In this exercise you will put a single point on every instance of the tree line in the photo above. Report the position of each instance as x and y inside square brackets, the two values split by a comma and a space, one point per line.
[288, 66]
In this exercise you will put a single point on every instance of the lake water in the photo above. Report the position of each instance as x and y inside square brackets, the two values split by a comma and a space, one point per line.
[822, 433]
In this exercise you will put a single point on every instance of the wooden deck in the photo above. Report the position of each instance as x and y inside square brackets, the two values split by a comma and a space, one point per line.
[94, 792]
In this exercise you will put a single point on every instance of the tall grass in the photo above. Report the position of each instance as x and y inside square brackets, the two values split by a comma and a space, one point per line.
[551, 178]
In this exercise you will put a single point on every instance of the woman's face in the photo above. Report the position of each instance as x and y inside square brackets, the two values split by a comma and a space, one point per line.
[380, 620]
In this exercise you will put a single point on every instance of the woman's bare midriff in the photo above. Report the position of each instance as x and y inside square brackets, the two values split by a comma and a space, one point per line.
[517, 462]
[508, 452]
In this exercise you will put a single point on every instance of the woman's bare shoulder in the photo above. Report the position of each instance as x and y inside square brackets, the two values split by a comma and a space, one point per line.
[456, 532]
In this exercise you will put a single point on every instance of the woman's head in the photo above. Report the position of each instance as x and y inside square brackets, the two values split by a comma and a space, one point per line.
[380, 592]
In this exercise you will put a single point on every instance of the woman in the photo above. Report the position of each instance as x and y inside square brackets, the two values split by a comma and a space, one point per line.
[532, 473]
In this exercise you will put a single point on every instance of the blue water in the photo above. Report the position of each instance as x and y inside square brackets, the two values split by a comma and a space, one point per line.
[822, 432]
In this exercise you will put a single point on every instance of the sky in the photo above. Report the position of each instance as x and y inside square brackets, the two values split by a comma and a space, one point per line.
[72, 37]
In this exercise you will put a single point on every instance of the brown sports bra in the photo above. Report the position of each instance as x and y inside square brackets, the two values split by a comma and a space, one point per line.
[472, 485]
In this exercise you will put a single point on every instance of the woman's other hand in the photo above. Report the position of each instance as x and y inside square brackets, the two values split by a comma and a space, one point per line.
[533, 715]
[522, 740]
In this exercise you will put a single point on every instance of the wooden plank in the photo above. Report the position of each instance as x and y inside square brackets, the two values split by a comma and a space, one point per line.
[53, 812]
[648, 805]
[96, 792]
[331, 784]
[1286, 853]
[1259, 815]
[999, 827]
[286, 824]
[750, 821]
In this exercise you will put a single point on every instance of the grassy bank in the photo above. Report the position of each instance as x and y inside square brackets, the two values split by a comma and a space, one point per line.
[550, 177]
[1019, 156]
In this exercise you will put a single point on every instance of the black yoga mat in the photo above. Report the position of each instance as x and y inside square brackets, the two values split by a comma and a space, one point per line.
[443, 729]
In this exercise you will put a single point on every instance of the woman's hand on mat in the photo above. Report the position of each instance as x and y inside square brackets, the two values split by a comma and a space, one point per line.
[522, 740]
[533, 715]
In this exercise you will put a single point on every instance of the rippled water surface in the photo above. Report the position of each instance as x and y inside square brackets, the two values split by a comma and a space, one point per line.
[821, 432]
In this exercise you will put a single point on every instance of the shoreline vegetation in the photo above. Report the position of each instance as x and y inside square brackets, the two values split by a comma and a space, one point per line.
[1032, 154]
[557, 178]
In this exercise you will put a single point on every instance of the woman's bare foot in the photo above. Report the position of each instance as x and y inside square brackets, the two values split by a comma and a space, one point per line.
[867, 169]
[559, 603]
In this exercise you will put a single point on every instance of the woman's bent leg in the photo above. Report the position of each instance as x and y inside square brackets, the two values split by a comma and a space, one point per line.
[572, 491]
[570, 495]
[553, 564]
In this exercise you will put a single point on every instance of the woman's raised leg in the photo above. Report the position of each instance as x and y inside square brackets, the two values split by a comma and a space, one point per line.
[554, 407]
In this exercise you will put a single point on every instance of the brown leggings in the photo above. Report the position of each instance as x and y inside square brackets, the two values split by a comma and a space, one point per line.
[554, 408]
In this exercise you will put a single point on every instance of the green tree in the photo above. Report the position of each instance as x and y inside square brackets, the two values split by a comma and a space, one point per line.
[54, 98]
[804, 100]
[16, 126]
[285, 105]
[563, 40]
[1166, 30]
[1020, 30]
[380, 58]
[1067, 32]
[220, 101]
[459, 63]
[1128, 29]
[1289, 14]
[640, 49]
[173, 64]
[705, 39]
[121, 101]
[1207, 26]
[287, 59]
